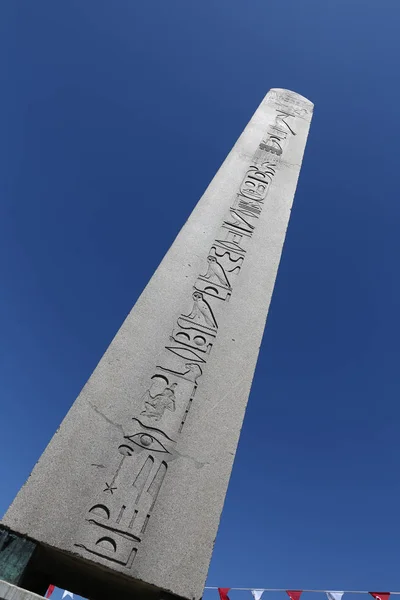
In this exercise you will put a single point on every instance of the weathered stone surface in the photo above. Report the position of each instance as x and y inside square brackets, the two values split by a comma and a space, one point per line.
[12, 592]
[135, 479]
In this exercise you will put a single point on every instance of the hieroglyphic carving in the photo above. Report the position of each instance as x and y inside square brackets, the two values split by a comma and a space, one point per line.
[117, 519]
[292, 102]
[202, 313]
[216, 272]
[154, 404]
[194, 337]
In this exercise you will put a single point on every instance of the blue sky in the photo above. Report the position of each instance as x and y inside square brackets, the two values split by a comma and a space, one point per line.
[114, 117]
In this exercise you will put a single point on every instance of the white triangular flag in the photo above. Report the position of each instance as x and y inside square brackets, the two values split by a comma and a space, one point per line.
[66, 593]
[257, 594]
[334, 595]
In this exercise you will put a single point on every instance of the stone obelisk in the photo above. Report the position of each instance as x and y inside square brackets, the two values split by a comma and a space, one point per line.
[127, 497]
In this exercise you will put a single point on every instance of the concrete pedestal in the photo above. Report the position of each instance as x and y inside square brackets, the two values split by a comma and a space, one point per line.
[12, 592]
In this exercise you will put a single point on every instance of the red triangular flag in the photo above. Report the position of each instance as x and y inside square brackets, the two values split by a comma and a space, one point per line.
[294, 594]
[223, 593]
[50, 591]
[380, 595]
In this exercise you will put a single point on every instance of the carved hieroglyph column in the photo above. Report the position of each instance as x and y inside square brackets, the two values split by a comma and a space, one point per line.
[135, 478]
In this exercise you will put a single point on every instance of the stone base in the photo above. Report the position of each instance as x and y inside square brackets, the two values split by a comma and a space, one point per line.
[34, 566]
[17, 555]
[12, 592]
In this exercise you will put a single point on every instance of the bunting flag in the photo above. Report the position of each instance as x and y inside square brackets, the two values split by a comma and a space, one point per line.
[223, 593]
[66, 593]
[257, 594]
[50, 591]
[334, 595]
[380, 595]
[294, 594]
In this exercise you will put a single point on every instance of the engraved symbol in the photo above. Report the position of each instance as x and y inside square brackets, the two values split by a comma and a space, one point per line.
[216, 271]
[109, 488]
[147, 441]
[272, 145]
[237, 262]
[239, 221]
[115, 532]
[125, 450]
[192, 373]
[281, 122]
[297, 106]
[268, 167]
[155, 406]
[251, 208]
[201, 311]
[100, 510]
[264, 172]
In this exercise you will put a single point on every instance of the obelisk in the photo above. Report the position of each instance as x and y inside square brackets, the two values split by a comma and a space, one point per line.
[126, 499]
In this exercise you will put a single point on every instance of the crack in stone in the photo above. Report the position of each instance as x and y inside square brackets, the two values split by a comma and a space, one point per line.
[198, 463]
[96, 410]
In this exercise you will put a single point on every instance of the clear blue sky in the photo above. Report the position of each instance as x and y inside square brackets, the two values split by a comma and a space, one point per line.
[114, 116]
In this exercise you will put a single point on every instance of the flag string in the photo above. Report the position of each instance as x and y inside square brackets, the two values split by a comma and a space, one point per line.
[248, 589]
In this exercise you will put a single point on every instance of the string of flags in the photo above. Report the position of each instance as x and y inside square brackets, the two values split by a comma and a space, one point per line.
[257, 593]
[295, 594]
[66, 593]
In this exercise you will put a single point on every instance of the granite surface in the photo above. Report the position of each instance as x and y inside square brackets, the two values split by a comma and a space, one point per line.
[135, 478]
[12, 592]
